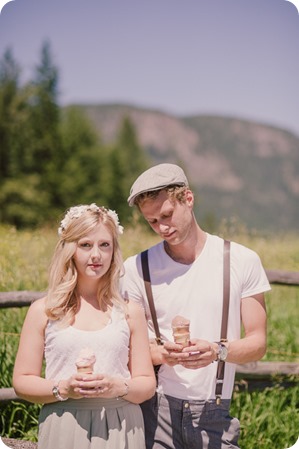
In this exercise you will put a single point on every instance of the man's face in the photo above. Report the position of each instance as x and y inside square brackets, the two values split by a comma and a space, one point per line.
[170, 219]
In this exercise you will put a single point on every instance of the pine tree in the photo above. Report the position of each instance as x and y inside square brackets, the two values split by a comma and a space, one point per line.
[9, 81]
[127, 162]
[84, 168]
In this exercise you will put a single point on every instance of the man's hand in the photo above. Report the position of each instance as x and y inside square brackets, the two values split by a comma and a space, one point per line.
[198, 354]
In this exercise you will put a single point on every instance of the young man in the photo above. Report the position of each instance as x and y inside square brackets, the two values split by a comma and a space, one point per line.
[186, 270]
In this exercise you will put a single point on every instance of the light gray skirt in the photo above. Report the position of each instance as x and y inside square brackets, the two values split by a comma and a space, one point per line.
[91, 424]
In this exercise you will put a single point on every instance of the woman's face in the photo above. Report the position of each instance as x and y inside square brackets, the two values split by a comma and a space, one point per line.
[94, 253]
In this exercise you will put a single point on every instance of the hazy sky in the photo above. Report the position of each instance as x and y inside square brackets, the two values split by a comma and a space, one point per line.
[223, 57]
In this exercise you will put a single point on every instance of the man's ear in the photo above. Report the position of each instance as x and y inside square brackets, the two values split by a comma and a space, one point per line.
[189, 198]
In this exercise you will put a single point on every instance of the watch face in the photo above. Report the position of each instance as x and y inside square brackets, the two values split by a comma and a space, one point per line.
[223, 353]
[54, 390]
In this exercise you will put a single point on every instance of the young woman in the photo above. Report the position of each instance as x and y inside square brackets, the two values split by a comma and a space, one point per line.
[84, 316]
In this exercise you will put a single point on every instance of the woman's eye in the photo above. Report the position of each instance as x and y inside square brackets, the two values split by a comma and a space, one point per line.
[85, 245]
[105, 244]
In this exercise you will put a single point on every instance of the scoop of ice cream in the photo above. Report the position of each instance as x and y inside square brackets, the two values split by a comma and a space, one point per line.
[86, 360]
[180, 322]
[180, 330]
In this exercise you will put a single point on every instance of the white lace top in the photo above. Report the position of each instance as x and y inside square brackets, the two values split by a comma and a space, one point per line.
[110, 345]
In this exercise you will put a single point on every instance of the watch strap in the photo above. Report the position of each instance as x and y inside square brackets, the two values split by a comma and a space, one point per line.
[56, 393]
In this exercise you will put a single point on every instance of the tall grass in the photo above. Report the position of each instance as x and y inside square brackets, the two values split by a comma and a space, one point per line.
[269, 418]
[24, 258]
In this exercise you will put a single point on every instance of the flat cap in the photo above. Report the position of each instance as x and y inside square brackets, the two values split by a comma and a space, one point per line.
[156, 178]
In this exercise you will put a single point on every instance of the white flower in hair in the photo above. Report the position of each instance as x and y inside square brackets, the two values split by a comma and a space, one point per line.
[76, 212]
[114, 217]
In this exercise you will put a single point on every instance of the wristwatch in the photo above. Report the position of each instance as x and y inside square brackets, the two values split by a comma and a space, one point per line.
[222, 351]
[56, 393]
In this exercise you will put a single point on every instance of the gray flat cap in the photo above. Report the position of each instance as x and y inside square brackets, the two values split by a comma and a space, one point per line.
[156, 178]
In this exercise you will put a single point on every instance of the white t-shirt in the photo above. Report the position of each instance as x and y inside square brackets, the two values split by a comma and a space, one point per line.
[195, 291]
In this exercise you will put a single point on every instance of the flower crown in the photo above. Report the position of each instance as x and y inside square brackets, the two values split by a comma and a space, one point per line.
[76, 212]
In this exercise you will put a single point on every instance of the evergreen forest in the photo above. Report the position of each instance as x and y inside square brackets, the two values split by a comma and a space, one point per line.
[51, 157]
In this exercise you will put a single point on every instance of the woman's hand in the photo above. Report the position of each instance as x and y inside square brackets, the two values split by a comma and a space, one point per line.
[96, 385]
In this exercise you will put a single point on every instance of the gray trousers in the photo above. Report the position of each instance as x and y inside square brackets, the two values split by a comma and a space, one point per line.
[172, 423]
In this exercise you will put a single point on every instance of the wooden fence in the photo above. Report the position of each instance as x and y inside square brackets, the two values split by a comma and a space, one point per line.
[254, 374]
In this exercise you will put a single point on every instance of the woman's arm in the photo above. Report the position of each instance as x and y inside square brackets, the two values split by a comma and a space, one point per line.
[142, 385]
[27, 380]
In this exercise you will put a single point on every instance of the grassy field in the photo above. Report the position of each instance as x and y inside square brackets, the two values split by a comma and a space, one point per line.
[269, 418]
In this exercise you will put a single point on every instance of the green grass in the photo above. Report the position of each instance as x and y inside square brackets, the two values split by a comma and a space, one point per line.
[24, 258]
[269, 418]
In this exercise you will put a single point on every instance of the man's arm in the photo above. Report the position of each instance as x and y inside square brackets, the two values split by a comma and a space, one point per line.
[254, 344]
[201, 353]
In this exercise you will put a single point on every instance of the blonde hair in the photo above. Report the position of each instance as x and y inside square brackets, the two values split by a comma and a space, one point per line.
[175, 193]
[63, 299]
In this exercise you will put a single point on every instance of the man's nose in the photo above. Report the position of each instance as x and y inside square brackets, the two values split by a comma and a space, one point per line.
[164, 227]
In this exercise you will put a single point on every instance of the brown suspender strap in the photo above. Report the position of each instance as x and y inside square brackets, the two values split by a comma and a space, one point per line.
[149, 293]
[226, 288]
[225, 310]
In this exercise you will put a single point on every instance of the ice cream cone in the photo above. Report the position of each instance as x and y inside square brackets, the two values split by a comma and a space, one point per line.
[85, 361]
[180, 330]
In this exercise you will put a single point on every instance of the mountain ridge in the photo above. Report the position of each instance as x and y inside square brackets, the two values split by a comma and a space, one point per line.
[236, 167]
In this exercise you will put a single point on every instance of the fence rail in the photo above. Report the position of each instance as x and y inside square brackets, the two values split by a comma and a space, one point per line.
[19, 299]
[283, 277]
[25, 298]
[259, 372]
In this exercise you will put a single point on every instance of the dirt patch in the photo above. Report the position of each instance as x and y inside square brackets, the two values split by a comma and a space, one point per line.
[19, 444]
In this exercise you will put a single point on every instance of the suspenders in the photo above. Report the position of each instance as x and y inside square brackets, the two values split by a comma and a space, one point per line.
[149, 293]
[225, 309]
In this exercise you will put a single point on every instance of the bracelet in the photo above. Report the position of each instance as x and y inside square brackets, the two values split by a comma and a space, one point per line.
[56, 392]
[126, 391]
